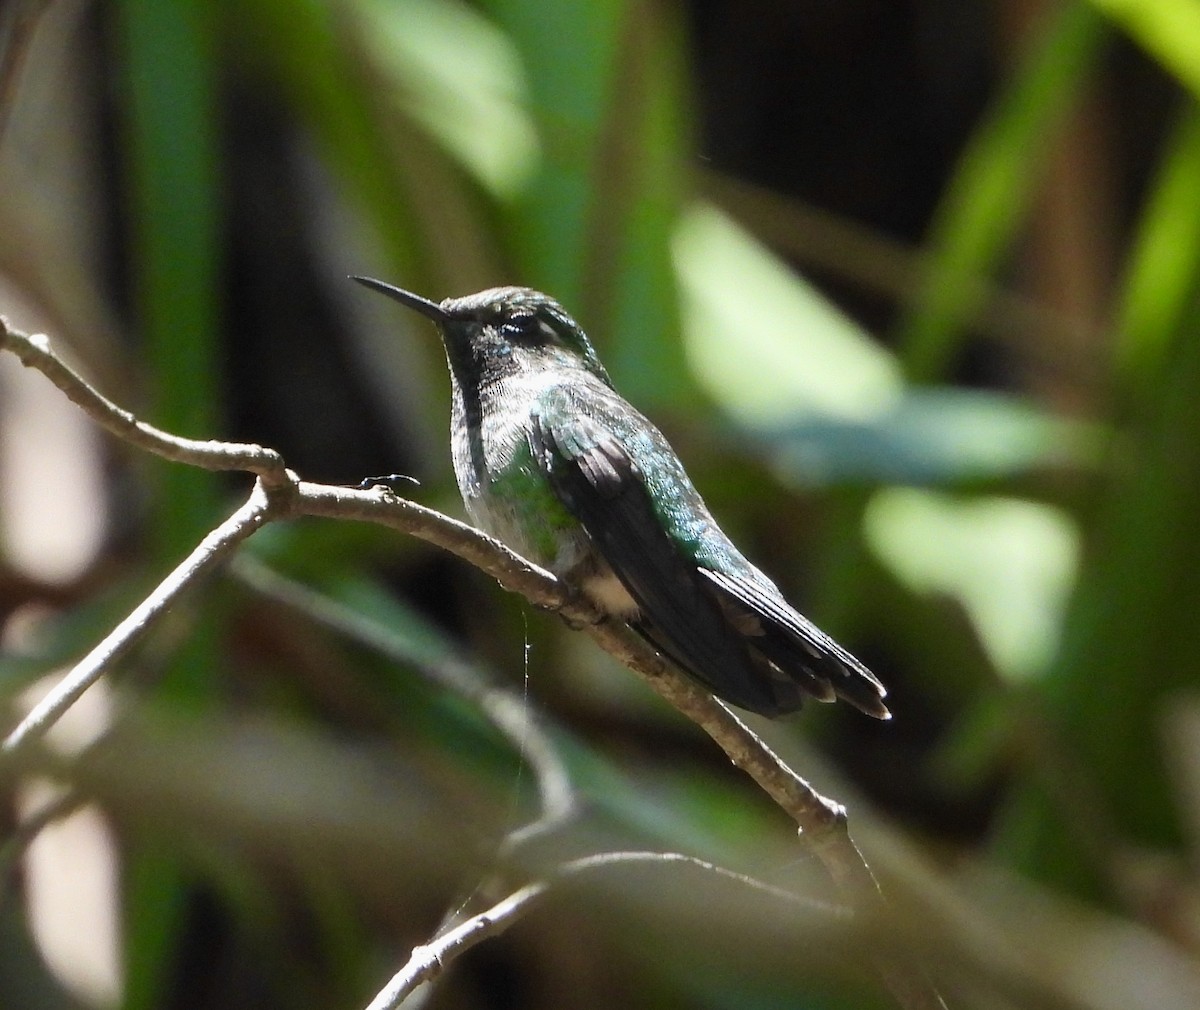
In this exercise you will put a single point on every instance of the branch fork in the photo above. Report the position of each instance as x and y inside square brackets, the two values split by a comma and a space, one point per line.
[280, 494]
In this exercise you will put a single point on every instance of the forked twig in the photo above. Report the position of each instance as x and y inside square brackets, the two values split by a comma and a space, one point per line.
[428, 960]
[279, 494]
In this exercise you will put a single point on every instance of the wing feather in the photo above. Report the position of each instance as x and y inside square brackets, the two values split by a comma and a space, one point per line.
[602, 487]
[730, 629]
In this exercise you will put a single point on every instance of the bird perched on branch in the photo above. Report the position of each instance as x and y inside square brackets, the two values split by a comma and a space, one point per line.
[553, 462]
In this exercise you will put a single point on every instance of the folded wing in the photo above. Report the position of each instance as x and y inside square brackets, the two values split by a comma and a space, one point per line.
[734, 633]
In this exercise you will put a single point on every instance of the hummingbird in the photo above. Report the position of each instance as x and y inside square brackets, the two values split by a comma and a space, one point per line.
[553, 462]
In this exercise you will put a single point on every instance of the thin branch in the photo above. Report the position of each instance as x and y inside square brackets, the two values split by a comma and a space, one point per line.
[508, 714]
[430, 959]
[814, 813]
[60, 806]
[822, 821]
[213, 549]
[279, 494]
[384, 507]
[34, 351]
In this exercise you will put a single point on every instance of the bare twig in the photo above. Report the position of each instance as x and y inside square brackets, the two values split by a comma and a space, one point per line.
[213, 549]
[506, 712]
[428, 960]
[34, 351]
[279, 494]
[814, 813]
[60, 806]
[822, 821]
[384, 507]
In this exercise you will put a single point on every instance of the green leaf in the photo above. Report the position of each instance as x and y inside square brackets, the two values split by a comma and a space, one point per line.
[934, 435]
[568, 52]
[763, 343]
[172, 156]
[1167, 29]
[985, 203]
[1164, 260]
[461, 78]
[1009, 563]
[593, 227]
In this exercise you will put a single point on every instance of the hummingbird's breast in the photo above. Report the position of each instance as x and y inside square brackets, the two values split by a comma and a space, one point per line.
[504, 490]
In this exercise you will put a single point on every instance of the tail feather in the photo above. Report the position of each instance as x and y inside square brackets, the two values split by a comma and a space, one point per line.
[797, 647]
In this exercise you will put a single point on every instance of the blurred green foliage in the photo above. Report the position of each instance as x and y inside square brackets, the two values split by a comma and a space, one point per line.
[1019, 560]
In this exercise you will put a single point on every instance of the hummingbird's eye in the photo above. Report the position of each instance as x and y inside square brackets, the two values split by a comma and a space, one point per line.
[527, 328]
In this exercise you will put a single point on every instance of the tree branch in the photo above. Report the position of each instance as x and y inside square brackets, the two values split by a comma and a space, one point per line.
[280, 494]
[213, 549]
[503, 709]
[59, 807]
[34, 351]
[384, 507]
[428, 960]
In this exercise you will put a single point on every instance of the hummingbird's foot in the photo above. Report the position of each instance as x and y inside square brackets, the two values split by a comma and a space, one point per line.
[576, 602]
[387, 480]
[575, 624]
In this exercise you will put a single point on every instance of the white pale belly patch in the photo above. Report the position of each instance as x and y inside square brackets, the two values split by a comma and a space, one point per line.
[606, 591]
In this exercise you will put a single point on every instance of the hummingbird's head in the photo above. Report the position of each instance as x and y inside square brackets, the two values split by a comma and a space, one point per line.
[502, 330]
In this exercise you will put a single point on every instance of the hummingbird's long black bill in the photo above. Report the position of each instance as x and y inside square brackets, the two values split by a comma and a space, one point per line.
[431, 310]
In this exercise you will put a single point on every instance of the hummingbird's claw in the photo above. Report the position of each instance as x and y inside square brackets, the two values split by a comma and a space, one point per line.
[386, 480]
